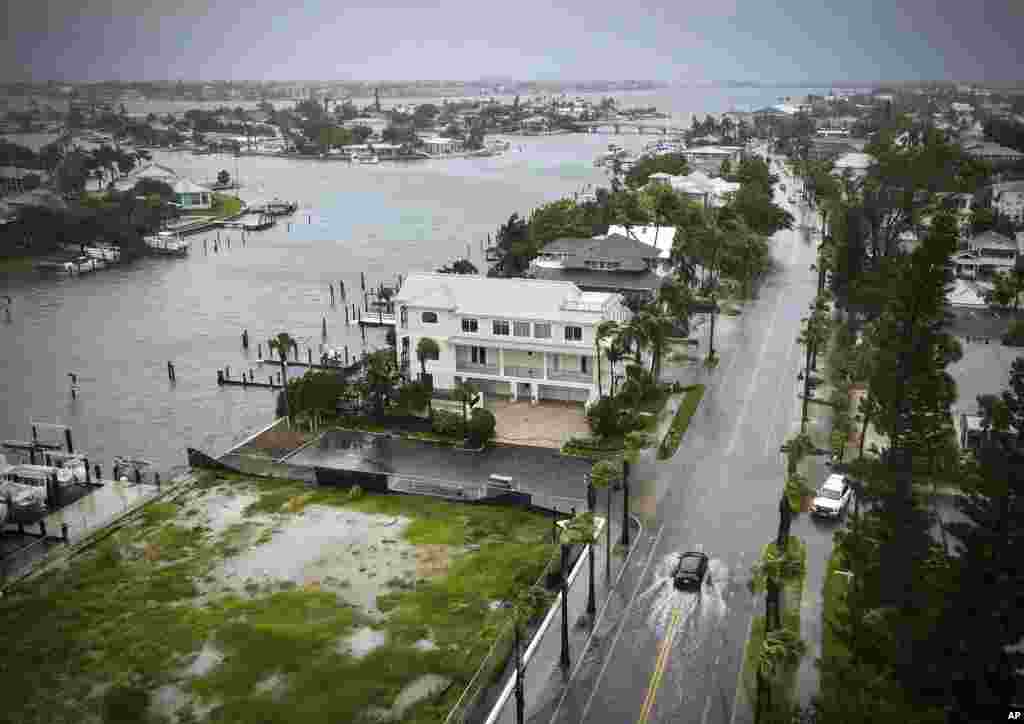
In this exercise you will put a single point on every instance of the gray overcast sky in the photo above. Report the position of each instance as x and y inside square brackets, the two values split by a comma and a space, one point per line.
[755, 40]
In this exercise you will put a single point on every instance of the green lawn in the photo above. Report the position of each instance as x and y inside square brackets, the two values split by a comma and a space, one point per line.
[106, 638]
[693, 396]
[16, 264]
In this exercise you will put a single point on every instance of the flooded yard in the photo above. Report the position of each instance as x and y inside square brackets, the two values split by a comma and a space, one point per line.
[243, 601]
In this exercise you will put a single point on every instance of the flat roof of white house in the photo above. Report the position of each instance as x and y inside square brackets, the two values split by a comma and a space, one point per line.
[514, 298]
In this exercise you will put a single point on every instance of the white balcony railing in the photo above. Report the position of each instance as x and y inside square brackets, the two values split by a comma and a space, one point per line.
[536, 373]
[570, 376]
[467, 366]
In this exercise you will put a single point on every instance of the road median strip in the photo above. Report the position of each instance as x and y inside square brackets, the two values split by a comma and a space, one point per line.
[691, 400]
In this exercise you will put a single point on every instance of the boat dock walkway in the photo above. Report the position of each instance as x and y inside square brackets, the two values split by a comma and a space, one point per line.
[307, 365]
[105, 503]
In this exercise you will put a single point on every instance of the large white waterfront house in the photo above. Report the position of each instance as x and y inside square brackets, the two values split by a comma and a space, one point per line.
[520, 338]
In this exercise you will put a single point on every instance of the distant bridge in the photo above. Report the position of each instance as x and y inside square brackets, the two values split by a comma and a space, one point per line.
[650, 127]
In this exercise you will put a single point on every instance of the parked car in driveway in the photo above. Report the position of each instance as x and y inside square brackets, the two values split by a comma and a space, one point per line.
[832, 497]
[690, 570]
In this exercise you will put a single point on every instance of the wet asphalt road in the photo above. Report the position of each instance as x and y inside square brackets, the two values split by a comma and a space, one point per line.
[675, 656]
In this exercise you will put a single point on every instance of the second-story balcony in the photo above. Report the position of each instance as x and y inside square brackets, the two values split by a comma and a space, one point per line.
[467, 366]
[536, 373]
[570, 376]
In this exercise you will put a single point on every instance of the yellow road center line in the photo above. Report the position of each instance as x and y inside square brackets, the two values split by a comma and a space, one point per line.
[659, 668]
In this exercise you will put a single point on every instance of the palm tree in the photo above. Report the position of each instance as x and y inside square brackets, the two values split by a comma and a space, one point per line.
[581, 531]
[634, 335]
[605, 330]
[656, 328]
[634, 443]
[465, 392]
[426, 348]
[603, 474]
[780, 649]
[282, 343]
[615, 352]
[525, 607]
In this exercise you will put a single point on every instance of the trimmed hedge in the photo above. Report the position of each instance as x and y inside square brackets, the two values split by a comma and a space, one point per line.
[668, 447]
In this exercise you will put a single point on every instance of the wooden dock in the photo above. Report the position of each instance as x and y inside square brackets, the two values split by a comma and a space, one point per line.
[307, 365]
[225, 382]
[344, 369]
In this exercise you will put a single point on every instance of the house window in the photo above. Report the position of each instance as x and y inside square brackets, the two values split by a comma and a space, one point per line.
[521, 329]
[429, 317]
[500, 327]
[470, 325]
[542, 330]
[573, 334]
[478, 355]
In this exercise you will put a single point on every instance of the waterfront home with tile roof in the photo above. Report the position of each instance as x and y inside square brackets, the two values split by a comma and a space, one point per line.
[611, 263]
[189, 195]
[986, 254]
[519, 338]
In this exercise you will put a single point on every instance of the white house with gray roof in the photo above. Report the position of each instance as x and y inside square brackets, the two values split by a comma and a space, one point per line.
[521, 338]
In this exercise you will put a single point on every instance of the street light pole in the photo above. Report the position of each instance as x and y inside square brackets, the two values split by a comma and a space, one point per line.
[591, 605]
[565, 607]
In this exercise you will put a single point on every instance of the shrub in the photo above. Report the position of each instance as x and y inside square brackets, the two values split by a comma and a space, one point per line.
[607, 418]
[446, 423]
[1015, 337]
[639, 387]
[481, 427]
[413, 396]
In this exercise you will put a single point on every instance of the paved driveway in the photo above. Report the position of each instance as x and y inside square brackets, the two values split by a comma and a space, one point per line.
[546, 424]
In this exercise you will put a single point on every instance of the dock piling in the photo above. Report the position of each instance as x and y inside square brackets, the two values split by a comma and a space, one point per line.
[323, 326]
[67, 439]
[331, 286]
[309, 356]
[346, 355]
[170, 371]
[346, 315]
[220, 377]
[245, 339]
[341, 288]
[259, 350]
[64, 534]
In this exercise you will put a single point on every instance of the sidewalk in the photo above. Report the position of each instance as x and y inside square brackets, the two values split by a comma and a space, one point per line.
[544, 679]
